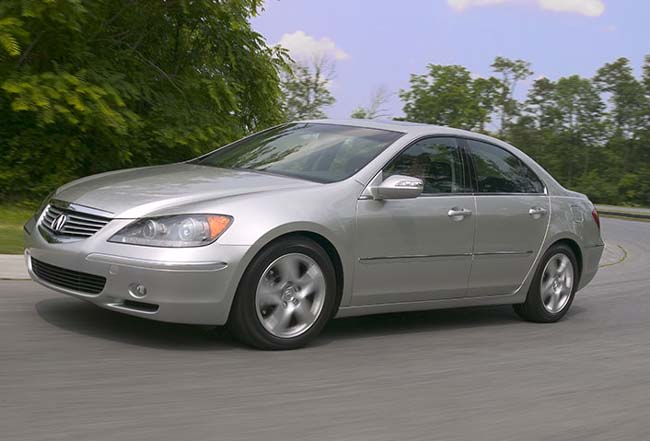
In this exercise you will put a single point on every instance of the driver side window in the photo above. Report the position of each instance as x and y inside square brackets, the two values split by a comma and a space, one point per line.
[434, 160]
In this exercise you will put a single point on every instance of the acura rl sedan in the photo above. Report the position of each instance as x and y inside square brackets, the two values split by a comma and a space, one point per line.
[279, 232]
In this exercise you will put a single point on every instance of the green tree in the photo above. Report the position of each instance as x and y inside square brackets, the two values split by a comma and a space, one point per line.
[627, 98]
[447, 95]
[629, 118]
[540, 104]
[306, 89]
[567, 117]
[566, 126]
[598, 149]
[579, 111]
[92, 86]
[512, 72]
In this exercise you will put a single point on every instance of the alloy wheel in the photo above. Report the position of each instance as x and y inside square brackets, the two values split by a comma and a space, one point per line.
[290, 295]
[557, 283]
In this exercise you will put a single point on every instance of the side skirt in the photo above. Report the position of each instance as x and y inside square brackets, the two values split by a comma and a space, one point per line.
[354, 311]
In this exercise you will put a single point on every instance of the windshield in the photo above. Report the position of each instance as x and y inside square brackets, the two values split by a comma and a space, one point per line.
[317, 152]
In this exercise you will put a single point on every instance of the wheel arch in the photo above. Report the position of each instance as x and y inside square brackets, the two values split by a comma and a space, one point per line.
[314, 234]
[575, 247]
[331, 251]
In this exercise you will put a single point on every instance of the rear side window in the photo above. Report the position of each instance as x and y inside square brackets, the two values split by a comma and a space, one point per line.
[434, 160]
[499, 171]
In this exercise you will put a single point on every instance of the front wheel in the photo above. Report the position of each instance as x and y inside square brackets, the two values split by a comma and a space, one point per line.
[553, 287]
[286, 295]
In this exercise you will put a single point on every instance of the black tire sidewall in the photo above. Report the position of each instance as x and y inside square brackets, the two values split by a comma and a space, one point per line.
[244, 320]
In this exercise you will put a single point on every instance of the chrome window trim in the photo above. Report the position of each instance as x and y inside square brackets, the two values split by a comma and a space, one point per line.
[512, 194]
[366, 197]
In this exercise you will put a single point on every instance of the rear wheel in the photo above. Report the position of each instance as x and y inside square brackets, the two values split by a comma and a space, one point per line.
[553, 287]
[286, 295]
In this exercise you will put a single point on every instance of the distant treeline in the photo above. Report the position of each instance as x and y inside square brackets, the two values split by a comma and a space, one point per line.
[87, 87]
[592, 134]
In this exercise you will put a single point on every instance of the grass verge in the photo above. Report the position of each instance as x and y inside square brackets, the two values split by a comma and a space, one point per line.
[12, 219]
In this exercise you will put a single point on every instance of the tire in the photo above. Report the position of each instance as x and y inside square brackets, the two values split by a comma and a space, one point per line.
[285, 297]
[549, 297]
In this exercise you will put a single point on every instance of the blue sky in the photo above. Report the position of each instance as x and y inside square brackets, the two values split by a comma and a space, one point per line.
[379, 43]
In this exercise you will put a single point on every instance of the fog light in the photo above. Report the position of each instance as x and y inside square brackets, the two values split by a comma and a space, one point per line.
[137, 290]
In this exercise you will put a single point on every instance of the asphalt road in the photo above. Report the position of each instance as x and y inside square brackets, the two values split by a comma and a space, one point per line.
[71, 371]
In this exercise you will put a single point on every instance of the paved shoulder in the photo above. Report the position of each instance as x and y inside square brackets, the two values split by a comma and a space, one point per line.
[12, 267]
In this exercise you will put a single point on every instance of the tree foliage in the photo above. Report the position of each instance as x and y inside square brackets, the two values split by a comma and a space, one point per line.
[512, 72]
[376, 108]
[448, 95]
[593, 134]
[92, 86]
[306, 89]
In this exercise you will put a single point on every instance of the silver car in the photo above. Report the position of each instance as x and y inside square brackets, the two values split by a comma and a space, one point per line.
[277, 233]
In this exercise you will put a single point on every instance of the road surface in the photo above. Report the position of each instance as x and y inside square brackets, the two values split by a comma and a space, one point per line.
[71, 371]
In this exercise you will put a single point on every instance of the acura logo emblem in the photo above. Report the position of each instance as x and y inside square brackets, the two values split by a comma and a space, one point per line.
[59, 222]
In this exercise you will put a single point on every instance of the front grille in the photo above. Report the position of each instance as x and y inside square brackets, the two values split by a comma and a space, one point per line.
[77, 224]
[65, 278]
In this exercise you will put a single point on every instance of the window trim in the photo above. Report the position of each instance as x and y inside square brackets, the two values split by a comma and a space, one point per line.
[466, 184]
[475, 189]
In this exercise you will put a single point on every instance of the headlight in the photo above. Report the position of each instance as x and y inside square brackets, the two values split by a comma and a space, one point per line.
[177, 231]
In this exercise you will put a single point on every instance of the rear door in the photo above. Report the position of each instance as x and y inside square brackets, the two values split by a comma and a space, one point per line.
[512, 217]
[417, 249]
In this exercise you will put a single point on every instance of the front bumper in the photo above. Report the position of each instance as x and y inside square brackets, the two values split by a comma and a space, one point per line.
[189, 285]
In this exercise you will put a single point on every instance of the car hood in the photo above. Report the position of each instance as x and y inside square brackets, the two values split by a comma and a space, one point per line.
[135, 192]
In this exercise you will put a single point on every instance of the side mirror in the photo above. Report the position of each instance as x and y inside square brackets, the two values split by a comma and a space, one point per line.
[398, 187]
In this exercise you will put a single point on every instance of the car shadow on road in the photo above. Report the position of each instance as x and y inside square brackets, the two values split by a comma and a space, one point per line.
[420, 321]
[439, 320]
[87, 319]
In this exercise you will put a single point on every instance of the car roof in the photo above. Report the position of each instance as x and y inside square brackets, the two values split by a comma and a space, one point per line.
[406, 127]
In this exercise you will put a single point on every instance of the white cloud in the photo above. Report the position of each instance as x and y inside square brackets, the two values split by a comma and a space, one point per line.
[301, 46]
[461, 5]
[590, 8]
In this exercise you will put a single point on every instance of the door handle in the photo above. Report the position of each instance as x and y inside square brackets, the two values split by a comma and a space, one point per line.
[458, 214]
[537, 212]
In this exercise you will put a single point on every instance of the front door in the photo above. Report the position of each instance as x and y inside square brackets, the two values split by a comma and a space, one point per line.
[512, 217]
[417, 249]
